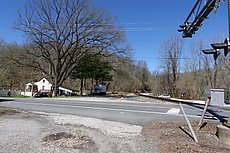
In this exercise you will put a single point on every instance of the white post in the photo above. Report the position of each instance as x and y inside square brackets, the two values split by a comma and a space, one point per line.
[32, 88]
[189, 124]
[207, 102]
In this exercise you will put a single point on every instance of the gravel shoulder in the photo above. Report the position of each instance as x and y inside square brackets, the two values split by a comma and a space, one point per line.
[55, 133]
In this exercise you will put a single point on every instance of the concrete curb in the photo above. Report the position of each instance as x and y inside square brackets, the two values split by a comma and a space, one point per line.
[223, 133]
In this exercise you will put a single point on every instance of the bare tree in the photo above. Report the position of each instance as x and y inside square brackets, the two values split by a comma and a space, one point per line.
[13, 75]
[2, 44]
[143, 75]
[226, 63]
[171, 53]
[194, 66]
[60, 32]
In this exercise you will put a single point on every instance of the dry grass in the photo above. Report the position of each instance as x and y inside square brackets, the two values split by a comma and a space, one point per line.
[175, 137]
[7, 111]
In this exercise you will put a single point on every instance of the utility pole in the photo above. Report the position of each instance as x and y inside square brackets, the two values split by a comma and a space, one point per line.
[228, 20]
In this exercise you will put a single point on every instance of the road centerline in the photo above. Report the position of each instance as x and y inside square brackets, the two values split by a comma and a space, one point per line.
[111, 104]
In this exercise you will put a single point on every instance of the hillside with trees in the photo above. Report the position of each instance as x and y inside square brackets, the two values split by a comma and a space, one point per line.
[73, 43]
[121, 73]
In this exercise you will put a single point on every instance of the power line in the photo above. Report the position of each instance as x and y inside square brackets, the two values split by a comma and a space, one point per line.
[142, 29]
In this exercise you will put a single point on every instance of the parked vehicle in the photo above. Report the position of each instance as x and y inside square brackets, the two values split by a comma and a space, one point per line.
[227, 101]
[41, 94]
[99, 89]
[165, 96]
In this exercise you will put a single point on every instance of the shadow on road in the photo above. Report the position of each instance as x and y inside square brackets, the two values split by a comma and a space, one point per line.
[214, 113]
[5, 99]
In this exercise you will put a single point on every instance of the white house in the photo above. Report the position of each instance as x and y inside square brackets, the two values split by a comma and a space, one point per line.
[43, 86]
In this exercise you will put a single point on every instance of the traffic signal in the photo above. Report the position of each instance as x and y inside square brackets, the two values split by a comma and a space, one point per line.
[215, 52]
[225, 45]
[183, 27]
[217, 47]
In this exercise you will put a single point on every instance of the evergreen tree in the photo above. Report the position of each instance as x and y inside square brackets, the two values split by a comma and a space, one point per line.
[92, 67]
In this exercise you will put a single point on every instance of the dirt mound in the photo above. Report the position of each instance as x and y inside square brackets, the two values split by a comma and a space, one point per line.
[75, 140]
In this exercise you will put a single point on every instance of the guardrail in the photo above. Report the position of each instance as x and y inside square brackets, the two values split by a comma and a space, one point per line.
[173, 99]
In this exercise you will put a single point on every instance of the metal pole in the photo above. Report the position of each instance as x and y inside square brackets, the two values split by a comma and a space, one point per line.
[228, 19]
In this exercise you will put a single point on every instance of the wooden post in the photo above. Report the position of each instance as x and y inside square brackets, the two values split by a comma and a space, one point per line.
[228, 122]
[32, 89]
[189, 124]
[207, 102]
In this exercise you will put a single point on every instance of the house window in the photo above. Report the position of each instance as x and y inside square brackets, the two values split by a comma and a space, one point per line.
[44, 81]
[43, 87]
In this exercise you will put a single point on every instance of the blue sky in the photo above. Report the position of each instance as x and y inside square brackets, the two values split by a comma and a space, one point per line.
[147, 22]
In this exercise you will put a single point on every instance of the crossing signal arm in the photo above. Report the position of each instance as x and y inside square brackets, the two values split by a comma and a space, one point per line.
[217, 47]
[215, 52]
[225, 46]
[197, 15]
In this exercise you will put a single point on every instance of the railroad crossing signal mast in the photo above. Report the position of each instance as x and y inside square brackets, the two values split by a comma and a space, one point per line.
[195, 19]
[197, 15]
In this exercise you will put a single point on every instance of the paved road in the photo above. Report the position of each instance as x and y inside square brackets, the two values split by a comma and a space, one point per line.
[139, 113]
